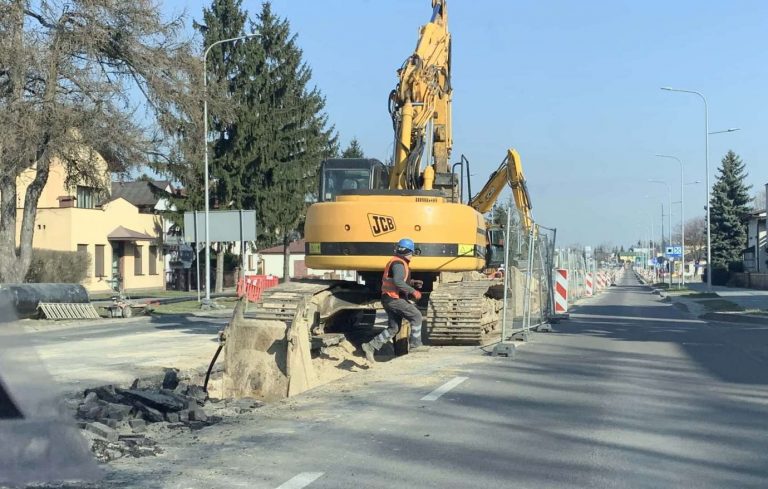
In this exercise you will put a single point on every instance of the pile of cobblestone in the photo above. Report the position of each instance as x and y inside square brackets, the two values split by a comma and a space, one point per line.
[116, 420]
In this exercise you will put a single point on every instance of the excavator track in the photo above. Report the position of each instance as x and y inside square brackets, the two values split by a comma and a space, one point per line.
[457, 313]
[463, 312]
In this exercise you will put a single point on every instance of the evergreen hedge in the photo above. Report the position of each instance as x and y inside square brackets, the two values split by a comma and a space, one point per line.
[53, 266]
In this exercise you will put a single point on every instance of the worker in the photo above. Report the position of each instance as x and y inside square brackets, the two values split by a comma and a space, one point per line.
[396, 287]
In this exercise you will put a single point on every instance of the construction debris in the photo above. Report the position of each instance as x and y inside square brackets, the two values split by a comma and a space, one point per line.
[120, 422]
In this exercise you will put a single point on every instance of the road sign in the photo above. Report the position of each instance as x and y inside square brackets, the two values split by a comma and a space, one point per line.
[239, 225]
[674, 251]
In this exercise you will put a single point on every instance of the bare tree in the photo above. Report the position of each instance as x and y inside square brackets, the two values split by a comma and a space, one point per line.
[759, 200]
[696, 238]
[69, 73]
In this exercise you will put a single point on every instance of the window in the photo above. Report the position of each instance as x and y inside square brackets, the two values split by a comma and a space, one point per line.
[99, 260]
[341, 179]
[137, 260]
[82, 249]
[250, 263]
[153, 260]
[87, 197]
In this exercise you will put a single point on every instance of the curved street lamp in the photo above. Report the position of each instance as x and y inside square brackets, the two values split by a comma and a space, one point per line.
[682, 214]
[706, 163]
[207, 300]
[669, 216]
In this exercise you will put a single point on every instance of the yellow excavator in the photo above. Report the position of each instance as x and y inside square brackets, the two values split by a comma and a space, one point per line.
[364, 207]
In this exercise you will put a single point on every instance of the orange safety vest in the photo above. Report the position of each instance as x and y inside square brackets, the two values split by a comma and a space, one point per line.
[388, 286]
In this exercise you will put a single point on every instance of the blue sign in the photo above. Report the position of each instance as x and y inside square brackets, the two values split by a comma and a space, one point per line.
[674, 252]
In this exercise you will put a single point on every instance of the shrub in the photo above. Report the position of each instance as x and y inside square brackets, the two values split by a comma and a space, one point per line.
[53, 266]
[720, 275]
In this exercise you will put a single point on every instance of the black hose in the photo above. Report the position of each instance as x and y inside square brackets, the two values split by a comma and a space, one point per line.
[210, 367]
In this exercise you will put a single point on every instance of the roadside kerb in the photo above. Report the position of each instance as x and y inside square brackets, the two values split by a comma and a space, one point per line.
[735, 317]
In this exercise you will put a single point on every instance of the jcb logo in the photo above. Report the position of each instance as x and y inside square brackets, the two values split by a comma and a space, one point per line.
[381, 224]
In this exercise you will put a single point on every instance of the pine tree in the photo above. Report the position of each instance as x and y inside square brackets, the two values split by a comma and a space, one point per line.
[270, 126]
[354, 150]
[729, 210]
[287, 133]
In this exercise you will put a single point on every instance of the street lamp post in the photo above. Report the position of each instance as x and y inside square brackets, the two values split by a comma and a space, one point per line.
[207, 300]
[669, 190]
[706, 163]
[682, 215]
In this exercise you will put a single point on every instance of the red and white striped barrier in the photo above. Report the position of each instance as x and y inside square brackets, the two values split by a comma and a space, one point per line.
[600, 281]
[561, 290]
[589, 287]
[251, 286]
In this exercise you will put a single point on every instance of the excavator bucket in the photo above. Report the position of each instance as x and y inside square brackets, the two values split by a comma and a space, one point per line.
[267, 359]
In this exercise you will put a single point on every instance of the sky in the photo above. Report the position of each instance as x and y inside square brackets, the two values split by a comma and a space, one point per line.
[574, 86]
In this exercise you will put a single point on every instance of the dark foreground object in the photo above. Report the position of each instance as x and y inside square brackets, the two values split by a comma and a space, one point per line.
[21, 300]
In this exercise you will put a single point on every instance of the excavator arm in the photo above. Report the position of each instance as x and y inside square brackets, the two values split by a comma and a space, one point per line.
[510, 172]
[420, 106]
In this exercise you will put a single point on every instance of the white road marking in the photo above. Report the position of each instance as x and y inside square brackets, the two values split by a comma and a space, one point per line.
[632, 318]
[435, 394]
[302, 480]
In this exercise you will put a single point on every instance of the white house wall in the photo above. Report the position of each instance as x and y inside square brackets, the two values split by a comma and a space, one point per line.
[273, 265]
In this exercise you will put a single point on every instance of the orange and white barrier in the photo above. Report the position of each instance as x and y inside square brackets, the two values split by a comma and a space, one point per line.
[589, 287]
[561, 290]
[600, 281]
[251, 286]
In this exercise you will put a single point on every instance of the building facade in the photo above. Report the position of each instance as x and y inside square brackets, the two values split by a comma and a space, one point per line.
[270, 261]
[756, 252]
[123, 243]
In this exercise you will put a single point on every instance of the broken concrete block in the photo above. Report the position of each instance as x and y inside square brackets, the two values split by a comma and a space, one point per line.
[118, 412]
[90, 398]
[150, 414]
[171, 379]
[197, 414]
[112, 423]
[181, 388]
[103, 431]
[184, 415]
[163, 402]
[106, 393]
[93, 412]
[137, 425]
[172, 417]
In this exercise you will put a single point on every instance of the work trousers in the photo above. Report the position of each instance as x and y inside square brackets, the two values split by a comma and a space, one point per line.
[397, 310]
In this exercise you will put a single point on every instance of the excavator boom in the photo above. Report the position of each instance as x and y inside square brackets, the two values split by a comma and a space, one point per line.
[510, 172]
[420, 105]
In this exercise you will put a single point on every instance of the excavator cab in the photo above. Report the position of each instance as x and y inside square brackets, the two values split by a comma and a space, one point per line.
[351, 176]
[495, 254]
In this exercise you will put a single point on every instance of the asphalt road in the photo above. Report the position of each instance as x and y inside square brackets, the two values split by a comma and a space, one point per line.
[631, 392]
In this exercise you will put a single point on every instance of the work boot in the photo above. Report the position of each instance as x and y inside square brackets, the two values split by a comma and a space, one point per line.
[369, 351]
